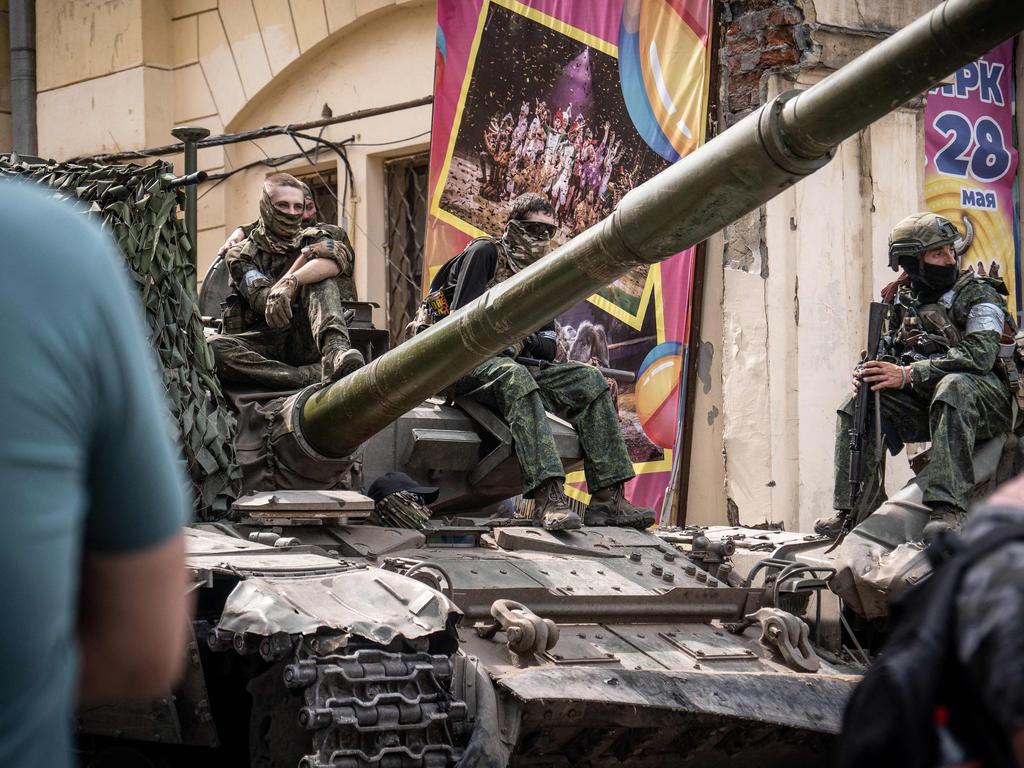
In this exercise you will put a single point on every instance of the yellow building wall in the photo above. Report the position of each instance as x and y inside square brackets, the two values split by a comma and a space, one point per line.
[118, 75]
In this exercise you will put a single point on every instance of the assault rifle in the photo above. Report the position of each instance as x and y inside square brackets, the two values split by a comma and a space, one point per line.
[862, 413]
[615, 374]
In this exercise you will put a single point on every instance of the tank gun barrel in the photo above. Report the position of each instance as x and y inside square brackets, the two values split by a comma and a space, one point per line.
[789, 138]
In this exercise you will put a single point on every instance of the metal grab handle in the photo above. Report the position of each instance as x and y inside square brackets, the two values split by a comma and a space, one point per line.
[787, 634]
[527, 633]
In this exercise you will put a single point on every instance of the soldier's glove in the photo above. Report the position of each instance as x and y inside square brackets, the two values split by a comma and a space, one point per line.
[279, 303]
[321, 249]
[542, 345]
[258, 299]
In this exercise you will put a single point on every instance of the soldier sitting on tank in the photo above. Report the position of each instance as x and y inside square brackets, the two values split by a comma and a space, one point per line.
[575, 390]
[284, 326]
[948, 384]
[313, 230]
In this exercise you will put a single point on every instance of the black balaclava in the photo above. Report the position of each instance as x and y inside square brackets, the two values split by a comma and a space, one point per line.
[930, 281]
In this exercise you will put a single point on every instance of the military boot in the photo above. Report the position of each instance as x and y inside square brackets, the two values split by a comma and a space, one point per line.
[551, 507]
[339, 359]
[609, 506]
[831, 526]
[311, 374]
[942, 517]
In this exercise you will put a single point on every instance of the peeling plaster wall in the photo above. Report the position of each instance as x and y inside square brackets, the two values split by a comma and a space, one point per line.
[706, 497]
[792, 281]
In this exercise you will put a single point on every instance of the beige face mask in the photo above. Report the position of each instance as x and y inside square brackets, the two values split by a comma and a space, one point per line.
[277, 231]
[524, 247]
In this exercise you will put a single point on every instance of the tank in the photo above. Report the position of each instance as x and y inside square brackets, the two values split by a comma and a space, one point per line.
[321, 640]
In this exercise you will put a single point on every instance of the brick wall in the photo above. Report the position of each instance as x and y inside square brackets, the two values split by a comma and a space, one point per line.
[757, 37]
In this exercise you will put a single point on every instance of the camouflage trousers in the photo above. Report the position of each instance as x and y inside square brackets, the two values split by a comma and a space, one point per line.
[577, 393]
[958, 410]
[287, 358]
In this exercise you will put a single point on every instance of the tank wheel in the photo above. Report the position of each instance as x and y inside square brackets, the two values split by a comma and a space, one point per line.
[370, 708]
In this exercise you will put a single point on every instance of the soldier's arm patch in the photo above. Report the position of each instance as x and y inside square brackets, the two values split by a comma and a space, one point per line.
[254, 279]
[985, 317]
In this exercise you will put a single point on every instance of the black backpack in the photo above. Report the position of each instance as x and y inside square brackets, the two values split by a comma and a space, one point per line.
[890, 719]
[436, 304]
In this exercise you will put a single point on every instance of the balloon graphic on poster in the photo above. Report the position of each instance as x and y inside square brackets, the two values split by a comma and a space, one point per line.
[662, 75]
[657, 392]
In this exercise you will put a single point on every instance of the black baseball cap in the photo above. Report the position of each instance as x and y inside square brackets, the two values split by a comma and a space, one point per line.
[393, 482]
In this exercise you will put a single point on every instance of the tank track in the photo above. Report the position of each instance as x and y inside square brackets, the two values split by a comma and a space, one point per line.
[374, 709]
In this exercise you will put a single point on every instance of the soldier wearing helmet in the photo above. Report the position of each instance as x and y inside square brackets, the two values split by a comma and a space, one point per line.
[940, 380]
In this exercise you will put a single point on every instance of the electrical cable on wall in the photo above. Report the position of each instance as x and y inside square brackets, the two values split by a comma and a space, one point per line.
[339, 148]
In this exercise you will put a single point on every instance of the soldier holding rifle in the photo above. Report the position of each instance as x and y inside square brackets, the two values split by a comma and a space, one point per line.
[943, 373]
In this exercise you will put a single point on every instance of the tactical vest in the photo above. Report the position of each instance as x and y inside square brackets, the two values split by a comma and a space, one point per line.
[927, 331]
[236, 314]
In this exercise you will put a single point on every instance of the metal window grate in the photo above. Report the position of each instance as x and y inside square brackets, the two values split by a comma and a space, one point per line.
[405, 189]
[324, 185]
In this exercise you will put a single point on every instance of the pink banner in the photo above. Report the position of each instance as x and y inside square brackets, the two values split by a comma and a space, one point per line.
[581, 102]
[971, 162]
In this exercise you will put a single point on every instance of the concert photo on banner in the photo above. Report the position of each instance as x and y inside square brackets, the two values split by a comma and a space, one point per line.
[555, 124]
[580, 103]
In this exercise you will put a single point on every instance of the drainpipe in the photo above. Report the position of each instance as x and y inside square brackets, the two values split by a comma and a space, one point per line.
[22, 22]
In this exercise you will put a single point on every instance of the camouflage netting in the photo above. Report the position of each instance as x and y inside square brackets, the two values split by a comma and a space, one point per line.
[138, 208]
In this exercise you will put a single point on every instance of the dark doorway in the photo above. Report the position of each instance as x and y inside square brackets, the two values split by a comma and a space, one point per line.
[405, 190]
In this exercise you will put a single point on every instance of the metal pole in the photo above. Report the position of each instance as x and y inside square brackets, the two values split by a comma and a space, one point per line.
[22, 20]
[189, 136]
[671, 498]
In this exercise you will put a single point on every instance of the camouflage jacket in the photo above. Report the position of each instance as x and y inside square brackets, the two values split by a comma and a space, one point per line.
[253, 271]
[971, 316]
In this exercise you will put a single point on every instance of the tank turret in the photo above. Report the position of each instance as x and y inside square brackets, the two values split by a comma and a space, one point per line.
[787, 139]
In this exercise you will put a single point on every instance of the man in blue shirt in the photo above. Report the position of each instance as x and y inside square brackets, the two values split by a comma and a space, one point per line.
[92, 577]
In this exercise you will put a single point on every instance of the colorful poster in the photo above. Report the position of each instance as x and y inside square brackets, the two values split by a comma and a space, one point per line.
[971, 163]
[581, 102]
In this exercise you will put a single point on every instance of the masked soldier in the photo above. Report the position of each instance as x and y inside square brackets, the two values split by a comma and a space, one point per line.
[941, 380]
[575, 390]
[284, 325]
[313, 230]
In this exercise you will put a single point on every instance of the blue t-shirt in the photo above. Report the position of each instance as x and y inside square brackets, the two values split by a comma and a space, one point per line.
[86, 458]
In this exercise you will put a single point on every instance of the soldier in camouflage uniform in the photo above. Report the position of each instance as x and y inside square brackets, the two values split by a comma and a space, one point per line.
[284, 326]
[313, 230]
[947, 384]
[574, 390]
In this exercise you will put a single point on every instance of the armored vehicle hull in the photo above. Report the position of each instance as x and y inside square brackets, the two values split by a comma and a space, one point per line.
[600, 647]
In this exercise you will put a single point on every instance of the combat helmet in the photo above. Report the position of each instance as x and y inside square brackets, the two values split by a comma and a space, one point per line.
[921, 232]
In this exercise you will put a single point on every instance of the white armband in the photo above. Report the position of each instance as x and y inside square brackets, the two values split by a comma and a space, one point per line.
[985, 317]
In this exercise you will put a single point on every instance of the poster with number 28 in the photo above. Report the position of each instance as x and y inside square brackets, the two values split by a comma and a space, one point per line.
[971, 163]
